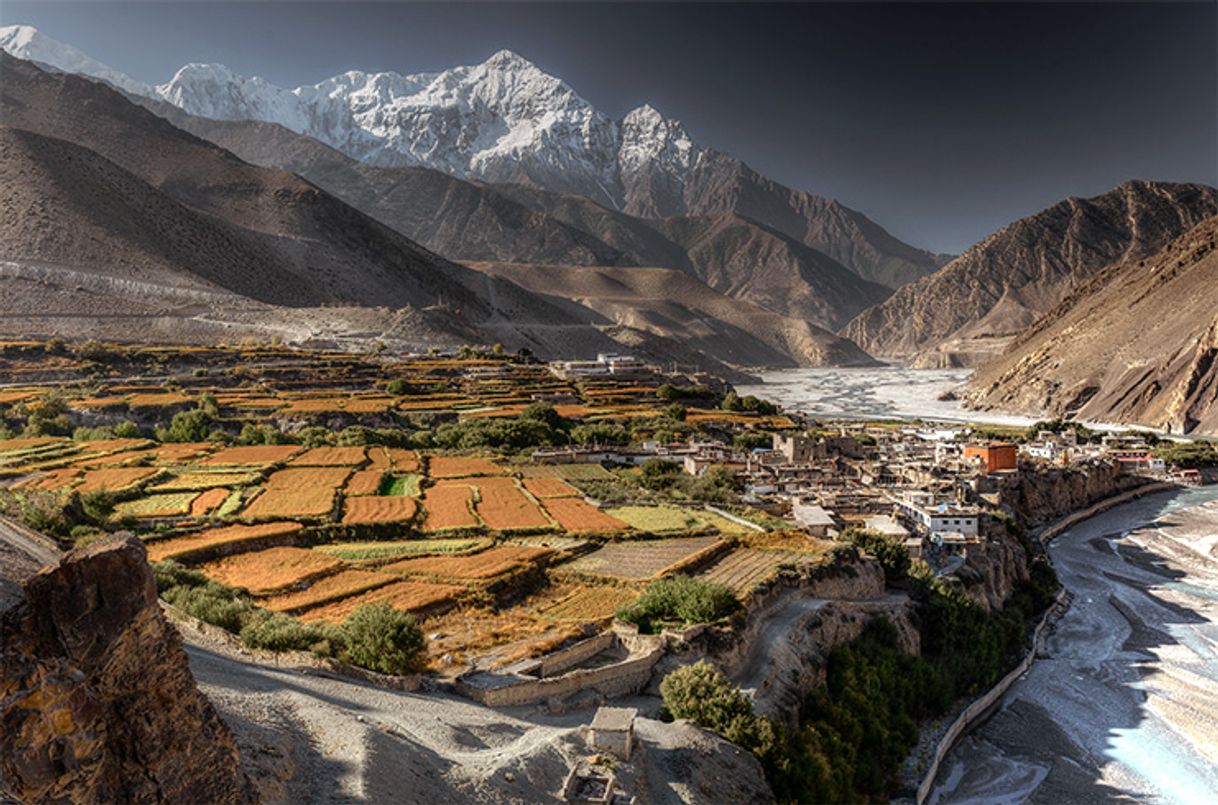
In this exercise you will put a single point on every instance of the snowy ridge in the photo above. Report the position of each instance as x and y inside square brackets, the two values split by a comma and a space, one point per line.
[502, 120]
[25, 42]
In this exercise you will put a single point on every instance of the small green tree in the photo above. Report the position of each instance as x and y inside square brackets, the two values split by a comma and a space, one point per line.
[680, 599]
[383, 639]
[892, 553]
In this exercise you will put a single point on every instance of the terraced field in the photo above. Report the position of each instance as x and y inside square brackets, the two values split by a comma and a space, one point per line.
[272, 570]
[642, 560]
[596, 603]
[328, 589]
[215, 539]
[484, 565]
[407, 596]
[744, 568]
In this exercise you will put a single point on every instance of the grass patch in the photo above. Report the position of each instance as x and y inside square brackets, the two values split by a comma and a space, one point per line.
[400, 486]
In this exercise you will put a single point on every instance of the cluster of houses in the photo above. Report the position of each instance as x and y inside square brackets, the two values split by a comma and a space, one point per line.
[928, 486]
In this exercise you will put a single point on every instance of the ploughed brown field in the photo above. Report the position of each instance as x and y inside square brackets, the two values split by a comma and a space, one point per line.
[448, 507]
[272, 570]
[373, 509]
[484, 565]
[580, 517]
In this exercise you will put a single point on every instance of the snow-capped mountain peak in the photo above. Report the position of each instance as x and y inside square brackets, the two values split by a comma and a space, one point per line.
[27, 42]
[502, 120]
[648, 137]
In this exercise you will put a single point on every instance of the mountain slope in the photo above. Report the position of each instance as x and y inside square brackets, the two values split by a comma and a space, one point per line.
[1138, 343]
[716, 183]
[673, 306]
[314, 249]
[118, 224]
[516, 223]
[747, 261]
[506, 121]
[1007, 281]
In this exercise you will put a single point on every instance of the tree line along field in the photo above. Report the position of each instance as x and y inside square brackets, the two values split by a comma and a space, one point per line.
[321, 482]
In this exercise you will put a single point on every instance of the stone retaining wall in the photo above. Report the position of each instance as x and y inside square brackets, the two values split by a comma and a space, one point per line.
[620, 679]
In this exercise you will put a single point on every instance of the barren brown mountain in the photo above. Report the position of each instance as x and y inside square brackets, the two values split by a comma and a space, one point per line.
[668, 304]
[721, 184]
[1004, 283]
[121, 225]
[1138, 343]
[465, 220]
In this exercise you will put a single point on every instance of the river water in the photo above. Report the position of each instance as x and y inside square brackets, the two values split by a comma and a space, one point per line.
[889, 392]
[1124, 704]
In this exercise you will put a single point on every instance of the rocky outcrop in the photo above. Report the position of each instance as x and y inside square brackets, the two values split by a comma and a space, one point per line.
[994, 570]
[1038, 493]
[1006, 282]
[97, 701]
[1137, 344]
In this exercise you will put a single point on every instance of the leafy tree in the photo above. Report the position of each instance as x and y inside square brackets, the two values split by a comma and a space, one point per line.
[1191, 455]
[751, 440]
[892, 553]
[383, 639]
[127, 430]
[658, 474]
[600, 433]
[544, 412]
[680, 599]
[254, 433]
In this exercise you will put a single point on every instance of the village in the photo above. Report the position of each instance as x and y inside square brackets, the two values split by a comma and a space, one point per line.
[522, 512]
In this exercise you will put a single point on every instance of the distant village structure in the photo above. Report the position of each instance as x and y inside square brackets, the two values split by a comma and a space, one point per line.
[934, 488]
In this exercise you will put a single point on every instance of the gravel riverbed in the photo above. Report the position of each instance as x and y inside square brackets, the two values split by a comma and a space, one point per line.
[1124, 703]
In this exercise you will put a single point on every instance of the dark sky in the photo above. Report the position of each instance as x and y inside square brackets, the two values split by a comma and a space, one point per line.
[942, 122]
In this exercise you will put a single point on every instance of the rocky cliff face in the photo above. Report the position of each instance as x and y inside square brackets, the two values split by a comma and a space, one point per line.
[995, 569]
[1040, 494]
[97, 701]
[1137, 344]
[1014, 276]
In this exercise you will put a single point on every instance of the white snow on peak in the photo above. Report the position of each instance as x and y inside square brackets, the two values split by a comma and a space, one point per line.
[27, 42]
[501, 120]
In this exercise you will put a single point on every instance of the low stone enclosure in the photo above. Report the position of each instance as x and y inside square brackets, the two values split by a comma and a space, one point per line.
[622, 661]
[614, 663]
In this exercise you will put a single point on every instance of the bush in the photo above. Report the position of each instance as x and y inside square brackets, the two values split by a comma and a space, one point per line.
[212, 603]
[673, 393]
[252, 433]
[699, 692]
[383, 639]
[600, 433]
[681, 599]
[187, 426]
[169, 573]
[275, 631]
[892, 553]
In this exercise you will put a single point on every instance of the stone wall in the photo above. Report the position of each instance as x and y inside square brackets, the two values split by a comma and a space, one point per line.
[629, 676]
[97, 701]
